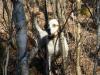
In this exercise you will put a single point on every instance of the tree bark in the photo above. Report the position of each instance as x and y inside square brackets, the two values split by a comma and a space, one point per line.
[97, 19]
[21, 37]
[78, 68]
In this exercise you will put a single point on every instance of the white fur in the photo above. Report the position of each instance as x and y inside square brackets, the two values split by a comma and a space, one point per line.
[54, 27]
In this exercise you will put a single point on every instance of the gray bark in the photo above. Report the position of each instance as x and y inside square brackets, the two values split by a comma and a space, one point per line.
[97, 17]
[21, 37]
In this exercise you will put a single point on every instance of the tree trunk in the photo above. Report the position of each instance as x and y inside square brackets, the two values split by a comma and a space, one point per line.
[97, 17]
[78, 68]
[6, 50]
[21, 37]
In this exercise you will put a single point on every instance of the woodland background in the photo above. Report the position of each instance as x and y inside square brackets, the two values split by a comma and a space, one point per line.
[66, 13]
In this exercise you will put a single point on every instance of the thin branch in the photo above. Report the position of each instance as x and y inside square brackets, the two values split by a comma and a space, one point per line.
[46, 14]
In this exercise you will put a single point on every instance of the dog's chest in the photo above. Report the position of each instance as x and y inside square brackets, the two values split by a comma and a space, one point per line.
[53, 46]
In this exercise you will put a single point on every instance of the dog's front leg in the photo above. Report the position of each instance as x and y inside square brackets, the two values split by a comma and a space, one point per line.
[46, 65]
[49, 61]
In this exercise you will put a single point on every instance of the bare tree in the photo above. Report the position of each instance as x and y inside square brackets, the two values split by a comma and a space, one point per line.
[7, 40]
[21, 37]
[78, 68]
[97, 18]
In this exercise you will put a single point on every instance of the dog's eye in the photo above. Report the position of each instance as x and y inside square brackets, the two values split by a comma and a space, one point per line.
[54, 25]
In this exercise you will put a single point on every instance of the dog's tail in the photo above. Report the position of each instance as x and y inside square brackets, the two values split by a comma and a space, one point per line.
[42, 33]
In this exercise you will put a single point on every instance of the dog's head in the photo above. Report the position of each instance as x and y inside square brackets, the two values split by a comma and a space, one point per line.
[53, 26]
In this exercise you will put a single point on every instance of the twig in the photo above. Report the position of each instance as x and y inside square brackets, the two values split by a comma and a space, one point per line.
[46, 14]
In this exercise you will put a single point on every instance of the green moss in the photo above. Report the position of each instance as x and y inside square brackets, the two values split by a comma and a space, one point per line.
[86, 11]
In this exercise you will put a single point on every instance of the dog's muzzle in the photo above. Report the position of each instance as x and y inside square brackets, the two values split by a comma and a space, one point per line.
[48, 31]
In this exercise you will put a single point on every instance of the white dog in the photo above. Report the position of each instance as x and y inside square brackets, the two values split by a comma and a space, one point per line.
[52, 44]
